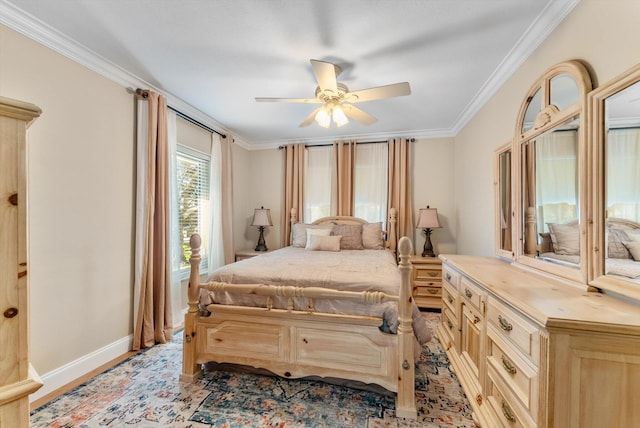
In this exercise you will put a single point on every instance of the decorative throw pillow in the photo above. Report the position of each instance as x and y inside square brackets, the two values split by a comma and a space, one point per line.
[615, 246]
[316, 232]
[351, 236]
[372, 236]
[565, 238]
[634, 249]
[299, 233]
[324, 243]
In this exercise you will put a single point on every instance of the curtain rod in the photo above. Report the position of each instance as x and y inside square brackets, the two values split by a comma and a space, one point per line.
[357, 142]
[144, 94]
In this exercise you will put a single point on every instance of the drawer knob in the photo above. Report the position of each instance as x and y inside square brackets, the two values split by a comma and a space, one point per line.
[510, 368]
[432, 273]
[507, 412]
[432, 290]
[476, 320]
[468, 293]
[450, 299]
[450, 324]
[504, 324]
[448, 277]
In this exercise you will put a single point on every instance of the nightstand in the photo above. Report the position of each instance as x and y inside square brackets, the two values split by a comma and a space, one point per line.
[426, 281]
[248, 253]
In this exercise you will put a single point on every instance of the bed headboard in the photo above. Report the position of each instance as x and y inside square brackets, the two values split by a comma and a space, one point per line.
[390, 235]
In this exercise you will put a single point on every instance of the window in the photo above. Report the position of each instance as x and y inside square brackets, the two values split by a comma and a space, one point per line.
[318, 183]
[370, 185]
[371, 182]
[192, 185]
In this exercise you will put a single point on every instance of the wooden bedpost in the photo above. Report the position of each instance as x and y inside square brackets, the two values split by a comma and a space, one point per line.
[392, 235]
[405, 400]
[190, 369]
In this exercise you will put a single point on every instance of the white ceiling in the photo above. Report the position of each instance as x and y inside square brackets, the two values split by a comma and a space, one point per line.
[211, 58]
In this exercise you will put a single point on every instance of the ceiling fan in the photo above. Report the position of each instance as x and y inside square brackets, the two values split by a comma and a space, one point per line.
[336, 99]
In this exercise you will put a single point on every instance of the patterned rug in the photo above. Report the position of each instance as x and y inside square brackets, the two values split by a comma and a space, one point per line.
[144, 391]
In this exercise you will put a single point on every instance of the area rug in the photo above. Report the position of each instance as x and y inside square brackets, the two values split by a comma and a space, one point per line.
[144, 391]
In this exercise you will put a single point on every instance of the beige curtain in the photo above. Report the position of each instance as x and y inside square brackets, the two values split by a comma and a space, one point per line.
[345, 161]
[227, 199]
[152, 284]
[399, 195]
[221, 195]
[293, 194]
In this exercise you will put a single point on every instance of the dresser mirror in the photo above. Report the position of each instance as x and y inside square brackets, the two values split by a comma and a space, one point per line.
[616, 209]
[503, 202]
[551, 159]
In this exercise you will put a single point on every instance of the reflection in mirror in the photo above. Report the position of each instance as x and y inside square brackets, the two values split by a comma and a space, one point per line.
[533, 109]
[564, 91]
[550, 195]
[504, 168]
[622, 187]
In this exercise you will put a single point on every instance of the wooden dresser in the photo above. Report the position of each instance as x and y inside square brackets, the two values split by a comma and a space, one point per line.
[532, 351]
[426, 281]
[17, 377]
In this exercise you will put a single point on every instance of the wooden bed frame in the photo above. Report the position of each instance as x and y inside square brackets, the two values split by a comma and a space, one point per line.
[295, 344]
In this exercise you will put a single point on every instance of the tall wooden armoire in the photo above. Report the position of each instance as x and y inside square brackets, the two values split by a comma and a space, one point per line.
[17, 378]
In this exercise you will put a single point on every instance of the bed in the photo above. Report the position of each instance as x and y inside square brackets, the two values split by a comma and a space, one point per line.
[622, 253]
[319, 324]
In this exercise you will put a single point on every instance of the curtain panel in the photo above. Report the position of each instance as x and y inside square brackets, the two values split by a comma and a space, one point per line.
[293, 192]
[221, 197]
[345, 161]
[399, 192]
[152, 282]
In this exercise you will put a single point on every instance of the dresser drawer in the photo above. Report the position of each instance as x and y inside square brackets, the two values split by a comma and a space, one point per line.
[472, 293]
[449, 296]
[451, 276]
[515, 329]
[514, 371]
[450, 327]
[508, 410]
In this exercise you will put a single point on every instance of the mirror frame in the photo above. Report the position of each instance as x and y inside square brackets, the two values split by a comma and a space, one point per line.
[498, 183]
[597, 113]
[549, 117]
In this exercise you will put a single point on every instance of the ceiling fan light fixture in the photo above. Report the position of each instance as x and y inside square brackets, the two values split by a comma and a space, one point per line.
[323, 118]
[339, 117]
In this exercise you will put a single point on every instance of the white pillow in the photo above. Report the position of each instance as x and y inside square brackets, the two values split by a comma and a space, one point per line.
[324, 243]
[566, 238]
[634, 249]
[299, 233]
[372, 236]
[316, 232]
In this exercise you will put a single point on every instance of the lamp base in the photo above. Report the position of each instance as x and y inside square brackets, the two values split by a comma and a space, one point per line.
[428, 247]
[262, 246]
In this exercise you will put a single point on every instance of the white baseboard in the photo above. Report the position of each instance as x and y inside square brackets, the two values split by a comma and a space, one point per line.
[69, 372]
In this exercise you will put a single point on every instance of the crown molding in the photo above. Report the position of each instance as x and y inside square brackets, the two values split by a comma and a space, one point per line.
[553, 14]
[31, 27]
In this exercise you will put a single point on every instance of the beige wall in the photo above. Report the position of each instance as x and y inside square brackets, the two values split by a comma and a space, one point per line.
[81, 175]
[603, 34]
[432, 184]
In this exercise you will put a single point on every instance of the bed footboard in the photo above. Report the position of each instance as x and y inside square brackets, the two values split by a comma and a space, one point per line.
[296, 344]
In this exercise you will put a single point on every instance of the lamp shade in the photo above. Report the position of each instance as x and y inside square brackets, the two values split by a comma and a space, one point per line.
[428, 218]
[261, 217]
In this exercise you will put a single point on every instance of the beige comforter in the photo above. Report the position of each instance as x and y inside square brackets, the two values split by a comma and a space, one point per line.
[349, 270]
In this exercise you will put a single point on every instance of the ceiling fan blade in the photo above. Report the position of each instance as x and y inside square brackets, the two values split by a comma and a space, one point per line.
[326, 75]
[289, 100]
[353, 112]
[380, 92]
[309, 119]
